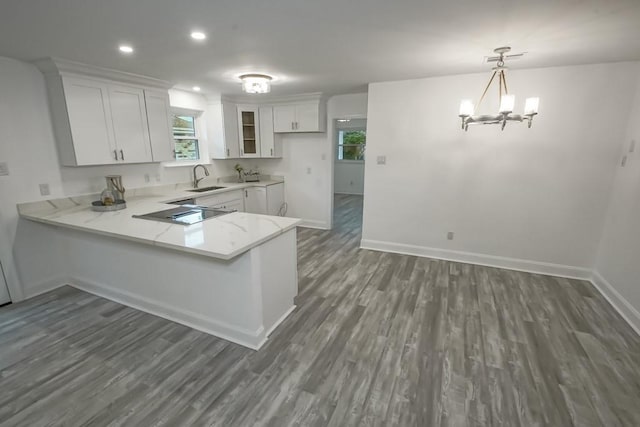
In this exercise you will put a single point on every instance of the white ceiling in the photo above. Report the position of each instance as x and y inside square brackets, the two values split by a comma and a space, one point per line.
[331, 46]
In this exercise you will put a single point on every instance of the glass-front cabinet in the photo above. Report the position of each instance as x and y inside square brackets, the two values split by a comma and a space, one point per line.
[249, 130]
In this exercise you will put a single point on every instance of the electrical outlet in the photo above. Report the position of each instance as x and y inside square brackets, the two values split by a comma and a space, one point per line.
[147, 179]
[450, 235]
[308, 171]
[4, 169]
[324, 156]
[44, 190]
[381, 160]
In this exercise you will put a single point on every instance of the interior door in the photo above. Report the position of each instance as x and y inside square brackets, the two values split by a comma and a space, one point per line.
[130, 127]
[4, 291]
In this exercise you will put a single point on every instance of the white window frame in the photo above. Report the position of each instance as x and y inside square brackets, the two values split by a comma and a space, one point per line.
[338, 145]
[199, 123]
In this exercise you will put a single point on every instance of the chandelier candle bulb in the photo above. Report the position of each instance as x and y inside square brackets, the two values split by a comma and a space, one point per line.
[507, 102]
[531, 106]
[466, 108]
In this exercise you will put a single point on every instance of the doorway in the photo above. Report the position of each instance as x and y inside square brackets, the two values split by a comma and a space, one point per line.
[348, 172]
[4, 290]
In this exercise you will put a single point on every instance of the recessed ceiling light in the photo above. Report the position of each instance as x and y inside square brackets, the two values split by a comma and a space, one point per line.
[125, 49]
[196, 88]
[198, 35]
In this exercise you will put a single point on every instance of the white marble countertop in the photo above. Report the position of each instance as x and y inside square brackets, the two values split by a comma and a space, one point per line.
[222, 237]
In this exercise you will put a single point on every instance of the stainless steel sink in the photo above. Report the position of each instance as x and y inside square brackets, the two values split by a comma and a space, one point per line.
[202, 190]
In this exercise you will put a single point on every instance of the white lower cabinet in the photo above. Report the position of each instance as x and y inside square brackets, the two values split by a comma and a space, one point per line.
[267, 200]
[227, 200]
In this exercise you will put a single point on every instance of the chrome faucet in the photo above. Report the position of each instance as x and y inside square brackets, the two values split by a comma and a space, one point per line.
[196, 180]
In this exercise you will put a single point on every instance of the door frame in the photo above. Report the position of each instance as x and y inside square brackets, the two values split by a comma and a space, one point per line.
[331, 133]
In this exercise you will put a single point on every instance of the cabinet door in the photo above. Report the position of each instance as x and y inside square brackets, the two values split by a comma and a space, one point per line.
[249, 131]
[267, 138]
[236, 205]
[284, 117]
[159, 120]
[255, 200]
[87, 103]
[275, 199]
[222, 129]
[307, 118]
[130, 128]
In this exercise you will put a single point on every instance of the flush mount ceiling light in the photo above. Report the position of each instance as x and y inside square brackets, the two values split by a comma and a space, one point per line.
[256, 83]
[125, 48]
[507, 101]
[196, 88]
[198, 35]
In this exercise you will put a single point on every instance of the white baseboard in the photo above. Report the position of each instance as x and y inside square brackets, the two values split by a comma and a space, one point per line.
[622, 306]
[251, 339]
[347, 193]
[44, 287]
[280, 320]
[309, 223]
[480, 259]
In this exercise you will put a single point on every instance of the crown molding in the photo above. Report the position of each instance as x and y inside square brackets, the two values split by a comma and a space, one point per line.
[262, 100]
[62, 67]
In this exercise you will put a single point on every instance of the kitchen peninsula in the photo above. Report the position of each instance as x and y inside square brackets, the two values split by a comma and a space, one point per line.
[233, 276]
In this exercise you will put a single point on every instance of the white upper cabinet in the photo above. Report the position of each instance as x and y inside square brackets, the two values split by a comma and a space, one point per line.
[284, 118]
[130, 125]
[301, 117]
[222, 128]
[159, 120]
[100, 116]
[270, 143]
[88, 123]
[249, 130]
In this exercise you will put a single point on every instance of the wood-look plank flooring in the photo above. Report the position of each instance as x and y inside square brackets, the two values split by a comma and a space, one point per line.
[377, 339]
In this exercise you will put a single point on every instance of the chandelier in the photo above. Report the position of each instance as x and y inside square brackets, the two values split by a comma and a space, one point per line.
[256, 83]
[507, 101]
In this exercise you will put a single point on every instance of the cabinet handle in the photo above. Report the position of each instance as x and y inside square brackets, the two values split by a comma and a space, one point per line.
[296, 125]
[292, 126]
[246, 193]
[228, 154]
[115, 154]
[272, 151]
[122, 154]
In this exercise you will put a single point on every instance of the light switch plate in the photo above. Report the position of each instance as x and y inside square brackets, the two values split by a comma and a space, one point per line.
[450, 235]
[4, 169]
[381, 160]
